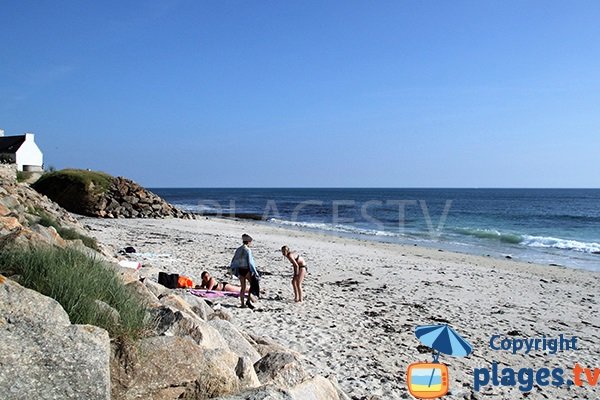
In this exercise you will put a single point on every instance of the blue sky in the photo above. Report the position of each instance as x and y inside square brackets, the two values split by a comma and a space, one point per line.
[309, 93]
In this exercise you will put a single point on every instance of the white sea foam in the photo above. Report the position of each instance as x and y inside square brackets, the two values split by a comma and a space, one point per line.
[204, 208]
[557, 243]
[335, 228]
[492, 234]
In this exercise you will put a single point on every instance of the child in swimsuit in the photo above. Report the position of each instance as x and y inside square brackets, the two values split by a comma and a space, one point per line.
[299, 271]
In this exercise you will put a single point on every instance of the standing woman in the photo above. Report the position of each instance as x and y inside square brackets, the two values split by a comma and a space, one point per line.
[299, 271]
[243, 266]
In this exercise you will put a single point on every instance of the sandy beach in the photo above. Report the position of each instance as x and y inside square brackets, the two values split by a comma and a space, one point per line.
[363, 301]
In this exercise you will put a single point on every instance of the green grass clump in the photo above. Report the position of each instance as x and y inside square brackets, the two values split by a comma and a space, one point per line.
[22, 176]
[76, 281]
[47, 220]
[101, 181]
[66, 233]
[78, 191]
[72, 234]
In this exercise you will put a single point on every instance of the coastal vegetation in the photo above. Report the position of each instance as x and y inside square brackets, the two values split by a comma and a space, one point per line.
[128, 337]
[87, 288]
[97, 194]
[66, 233]
[75, 189]
[95, 181]
[22, 176]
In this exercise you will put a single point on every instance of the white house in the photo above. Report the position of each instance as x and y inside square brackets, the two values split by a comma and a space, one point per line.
[21, 150]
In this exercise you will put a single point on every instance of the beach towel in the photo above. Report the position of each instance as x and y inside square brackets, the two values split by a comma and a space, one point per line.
[130, 264]
[211, 294]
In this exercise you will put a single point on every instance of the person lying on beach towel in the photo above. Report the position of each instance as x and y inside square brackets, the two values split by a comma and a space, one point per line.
[210, 283]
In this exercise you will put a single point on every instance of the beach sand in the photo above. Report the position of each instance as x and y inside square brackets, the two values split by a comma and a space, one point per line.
[363, 301]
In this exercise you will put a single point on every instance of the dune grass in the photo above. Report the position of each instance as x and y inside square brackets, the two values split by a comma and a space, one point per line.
[72, 234]
[100, 181]
[66, 233]
[76, 281]
[22, 176]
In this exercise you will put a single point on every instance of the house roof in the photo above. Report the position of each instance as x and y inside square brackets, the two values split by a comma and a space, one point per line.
[10, 144]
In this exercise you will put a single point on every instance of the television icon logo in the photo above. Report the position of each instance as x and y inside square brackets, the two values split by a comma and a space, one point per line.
[427, 380]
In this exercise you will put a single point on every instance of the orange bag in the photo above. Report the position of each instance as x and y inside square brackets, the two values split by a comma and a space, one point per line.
[184, 282]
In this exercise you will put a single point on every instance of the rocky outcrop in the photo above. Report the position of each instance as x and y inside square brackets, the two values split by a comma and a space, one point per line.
[317, 388]
[21, 201]
[282, 368]
[97, 194]
[188, 350]
[196, 304]
[43, 356]
[127, 199]
[29, 219]
[235, 340]
[173, 322]
[171, 367]
[213, 359]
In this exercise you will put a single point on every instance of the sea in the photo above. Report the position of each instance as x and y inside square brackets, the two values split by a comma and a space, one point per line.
[545, 226]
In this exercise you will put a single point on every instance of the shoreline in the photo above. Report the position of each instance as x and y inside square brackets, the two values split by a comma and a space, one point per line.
[530, 224]
[519, 254]
[364, 299]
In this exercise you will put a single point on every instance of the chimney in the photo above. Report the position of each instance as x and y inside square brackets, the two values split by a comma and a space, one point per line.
[29, 137]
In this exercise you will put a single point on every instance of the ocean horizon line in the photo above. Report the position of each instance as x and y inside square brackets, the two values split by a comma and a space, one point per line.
[371, 188]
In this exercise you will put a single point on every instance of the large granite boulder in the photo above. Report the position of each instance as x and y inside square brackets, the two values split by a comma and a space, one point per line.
[197, 304]
[143, 293]
[317, 388]
[43, 356]
[261, 393]
[280, 368]
[169, 321]
[264, 345]
[156, 288]
[15, 233]
[171, 367]
[236, 341]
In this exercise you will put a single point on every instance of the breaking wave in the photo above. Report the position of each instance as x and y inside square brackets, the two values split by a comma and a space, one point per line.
[532, 241]
[490, 234]
[563, 244]
[334, 228]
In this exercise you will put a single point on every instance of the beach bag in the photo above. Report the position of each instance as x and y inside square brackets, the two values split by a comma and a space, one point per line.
[168, 280]
[183, 282]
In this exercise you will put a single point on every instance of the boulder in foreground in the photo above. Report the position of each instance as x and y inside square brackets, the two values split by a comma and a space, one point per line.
[42, 355]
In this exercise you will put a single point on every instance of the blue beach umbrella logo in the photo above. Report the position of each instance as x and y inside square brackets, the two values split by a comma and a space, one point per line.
[443, 339]
[427, 380]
